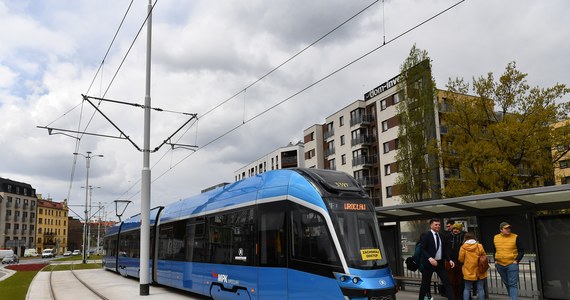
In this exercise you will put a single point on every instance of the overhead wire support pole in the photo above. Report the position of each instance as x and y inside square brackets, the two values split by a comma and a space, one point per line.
[144, 283]
[107, 118]
[175, 132]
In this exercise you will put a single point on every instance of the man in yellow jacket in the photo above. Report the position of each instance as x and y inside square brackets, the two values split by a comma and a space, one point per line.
[508, 254]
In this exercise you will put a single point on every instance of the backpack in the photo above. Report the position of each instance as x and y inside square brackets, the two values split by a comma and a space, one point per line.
[413, 263]
[482, 262]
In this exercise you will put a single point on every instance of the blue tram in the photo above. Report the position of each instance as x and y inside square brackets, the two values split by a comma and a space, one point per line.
[284, 234]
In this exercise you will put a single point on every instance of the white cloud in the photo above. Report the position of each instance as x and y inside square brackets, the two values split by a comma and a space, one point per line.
[206, 51]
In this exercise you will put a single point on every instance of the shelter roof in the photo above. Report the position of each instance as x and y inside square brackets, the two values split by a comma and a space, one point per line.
[534, 199]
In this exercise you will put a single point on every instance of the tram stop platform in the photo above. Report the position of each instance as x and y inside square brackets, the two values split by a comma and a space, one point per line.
[115, 287]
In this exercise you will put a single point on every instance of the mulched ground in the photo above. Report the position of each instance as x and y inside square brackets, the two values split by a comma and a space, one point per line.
[26, 267]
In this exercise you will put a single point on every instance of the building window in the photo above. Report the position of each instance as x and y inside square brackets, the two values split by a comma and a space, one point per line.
[343, 159]
[341, 121]
[383, 104]
[396, 98]
[564, 164]
[386, 147]
[387, 169]
[388, 192]
[342, 141]
[384, 125]
[332, 164]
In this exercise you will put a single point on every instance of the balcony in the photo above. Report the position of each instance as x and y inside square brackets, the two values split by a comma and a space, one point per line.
[329, 152]
[363, 120]
[365, 160]
[368, 181]
[363, 140]
[328, 134]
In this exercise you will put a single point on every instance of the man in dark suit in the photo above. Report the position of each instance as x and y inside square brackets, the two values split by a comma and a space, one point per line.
[434, 254]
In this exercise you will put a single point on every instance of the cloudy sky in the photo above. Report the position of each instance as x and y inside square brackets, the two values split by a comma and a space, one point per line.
[205, 52]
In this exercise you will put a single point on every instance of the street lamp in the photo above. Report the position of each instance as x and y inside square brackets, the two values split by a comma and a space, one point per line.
[89, 218]
[87, 161]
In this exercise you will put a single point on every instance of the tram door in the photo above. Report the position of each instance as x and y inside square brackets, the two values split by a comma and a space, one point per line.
[272, 277]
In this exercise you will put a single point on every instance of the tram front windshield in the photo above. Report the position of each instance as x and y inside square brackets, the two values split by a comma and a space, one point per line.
[358, 232]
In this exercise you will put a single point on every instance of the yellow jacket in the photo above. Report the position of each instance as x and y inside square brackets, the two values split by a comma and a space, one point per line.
[506, 250]
[469, 257]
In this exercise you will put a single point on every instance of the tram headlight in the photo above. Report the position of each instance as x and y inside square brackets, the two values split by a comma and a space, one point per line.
[355, 280]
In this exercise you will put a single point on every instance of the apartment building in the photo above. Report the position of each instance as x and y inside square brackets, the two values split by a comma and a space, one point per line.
[17, 215]
[289, 156]
[52, 225]
[361, 139]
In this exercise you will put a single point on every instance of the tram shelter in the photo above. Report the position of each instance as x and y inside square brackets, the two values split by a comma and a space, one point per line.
[539, 216]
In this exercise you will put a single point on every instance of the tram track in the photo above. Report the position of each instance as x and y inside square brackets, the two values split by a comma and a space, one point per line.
[58, 292]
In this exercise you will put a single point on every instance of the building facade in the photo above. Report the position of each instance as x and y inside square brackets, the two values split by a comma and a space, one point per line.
[290, 156]
[362, 140]
[562, 167]
[52, 226]
[17, 215]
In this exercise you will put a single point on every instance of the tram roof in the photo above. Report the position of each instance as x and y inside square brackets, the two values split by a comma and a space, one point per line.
[534, 199]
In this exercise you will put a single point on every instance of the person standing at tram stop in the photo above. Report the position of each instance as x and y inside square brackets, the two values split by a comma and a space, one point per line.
[469, 257]
[453, 242]
[508, 254]
[434, 255]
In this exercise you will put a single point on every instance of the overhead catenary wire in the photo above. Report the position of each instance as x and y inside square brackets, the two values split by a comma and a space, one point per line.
[244, 90]
[79, 135]
[311, 85]
[293, 95]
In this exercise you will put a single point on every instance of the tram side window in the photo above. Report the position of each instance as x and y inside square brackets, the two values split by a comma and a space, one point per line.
[231, 238]
[197, 242]
[272, 238]
[172, 241]
[129, 244]
[243, 237]
[110, 245]
[220, 238]
[311, 240]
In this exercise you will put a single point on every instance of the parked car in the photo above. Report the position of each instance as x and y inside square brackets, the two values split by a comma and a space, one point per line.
[5, 252]
[67, 253]
[10, 259]
[76, 252]
[30, 253]
[47, 253]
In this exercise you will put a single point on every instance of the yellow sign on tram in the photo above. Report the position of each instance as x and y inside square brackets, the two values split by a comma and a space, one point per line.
[370, 254]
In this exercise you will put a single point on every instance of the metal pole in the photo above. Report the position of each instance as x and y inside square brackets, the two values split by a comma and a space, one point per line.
[87, 160]
[87, 163]
[145, 189]
[98, 228]
[89, 221]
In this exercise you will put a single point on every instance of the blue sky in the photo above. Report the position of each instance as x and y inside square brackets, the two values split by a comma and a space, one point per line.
[206, 51]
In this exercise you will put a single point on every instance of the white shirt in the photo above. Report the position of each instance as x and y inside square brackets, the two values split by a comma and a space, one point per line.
[438, 250]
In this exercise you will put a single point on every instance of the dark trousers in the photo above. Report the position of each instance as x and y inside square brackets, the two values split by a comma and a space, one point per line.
[456, 279]
[442, 274]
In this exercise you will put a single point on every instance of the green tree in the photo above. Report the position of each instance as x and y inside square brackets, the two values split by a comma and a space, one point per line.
[417, 166]
[500, 139]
